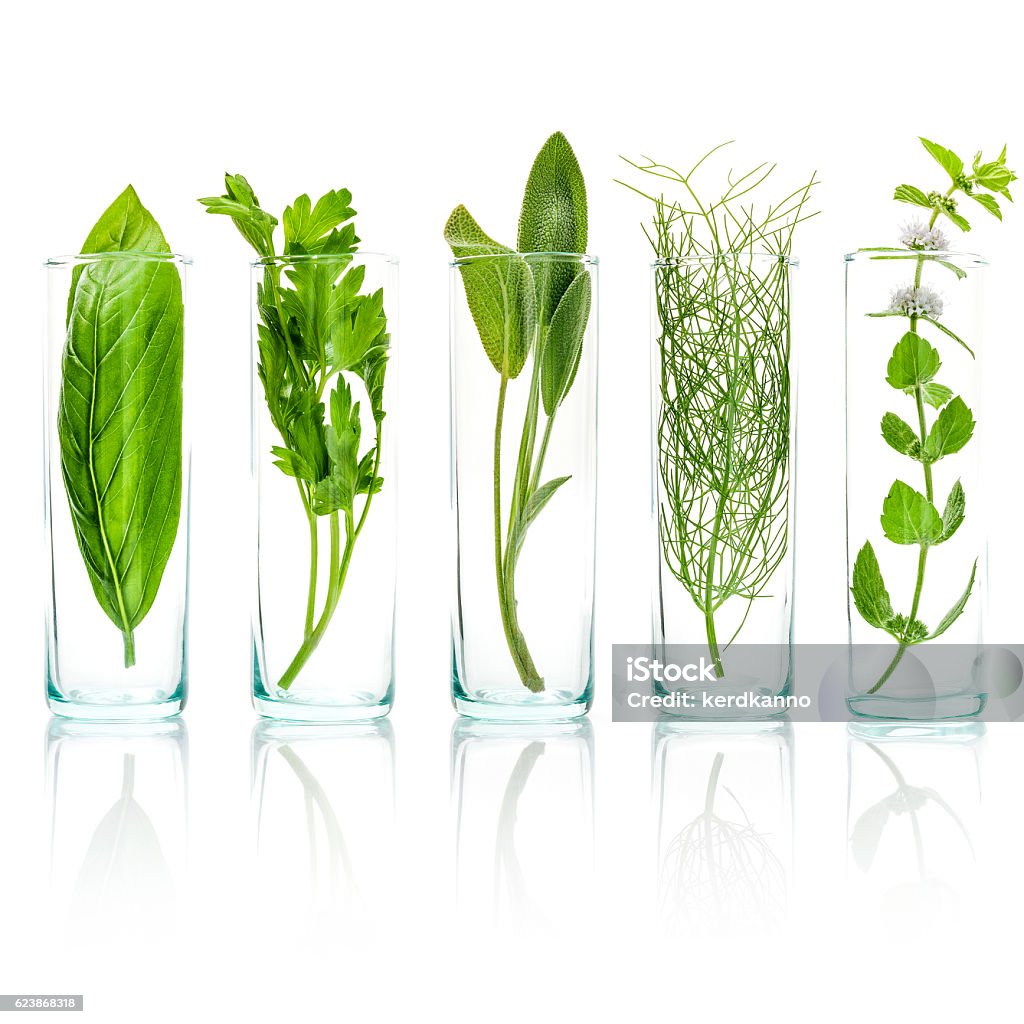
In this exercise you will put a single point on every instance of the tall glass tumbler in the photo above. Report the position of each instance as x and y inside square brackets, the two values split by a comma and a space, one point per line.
[116, 487]
[915, 501]
[723, 422]
[524, 464]
[324, 427]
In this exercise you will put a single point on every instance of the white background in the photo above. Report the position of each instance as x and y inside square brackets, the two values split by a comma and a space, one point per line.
[416, 107]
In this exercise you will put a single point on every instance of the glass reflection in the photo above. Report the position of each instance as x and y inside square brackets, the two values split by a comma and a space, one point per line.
[324, 818]
[118, 826]
[524, 806]
[724, 803]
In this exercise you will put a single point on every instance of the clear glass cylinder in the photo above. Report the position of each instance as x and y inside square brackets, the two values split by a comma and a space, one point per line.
[324, 465]
[116, 486]
[524, 465]
[723, 419]
[915, 505]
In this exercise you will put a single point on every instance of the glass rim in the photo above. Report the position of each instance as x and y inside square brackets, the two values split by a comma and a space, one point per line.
[322, 257]
[125, 255]
[770, 257]
[972, 259]
[584, 259]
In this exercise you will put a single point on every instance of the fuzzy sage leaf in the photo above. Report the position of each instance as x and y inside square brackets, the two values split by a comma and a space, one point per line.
[535, 301]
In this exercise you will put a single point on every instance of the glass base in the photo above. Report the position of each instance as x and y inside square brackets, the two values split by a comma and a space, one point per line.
[107, 706]
[308, 709]
[963, 730]
[917, 709]
[508, 706]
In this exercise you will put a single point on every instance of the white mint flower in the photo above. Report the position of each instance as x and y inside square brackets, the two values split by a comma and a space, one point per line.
[916, 302]
[917, 235]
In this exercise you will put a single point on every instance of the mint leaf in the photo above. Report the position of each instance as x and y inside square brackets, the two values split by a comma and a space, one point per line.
[952, 164]
[994, 174]
[956, 611]
[564, 344]
[913, 195]
[950, 431]
[957, 219]
[949, 334]
[914, 361]
[908, 517]
[898, 434]
[868, 589]
[499, 292]
[936, 395]
[989, 202]
[953, 513]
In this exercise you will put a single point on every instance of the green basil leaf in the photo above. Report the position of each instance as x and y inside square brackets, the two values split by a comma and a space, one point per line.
[908, 517]
[126, 226]
[120, 418]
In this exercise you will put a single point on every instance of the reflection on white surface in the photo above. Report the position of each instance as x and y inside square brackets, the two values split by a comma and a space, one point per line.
[524, 799]
[724, 799]
[325, 821]
[914, 805]
[118, 827]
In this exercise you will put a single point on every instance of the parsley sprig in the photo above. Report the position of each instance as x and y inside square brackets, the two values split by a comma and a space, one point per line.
[319, 334]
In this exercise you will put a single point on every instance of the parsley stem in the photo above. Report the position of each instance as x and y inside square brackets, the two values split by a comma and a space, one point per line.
[338, 572]
[314, 559]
